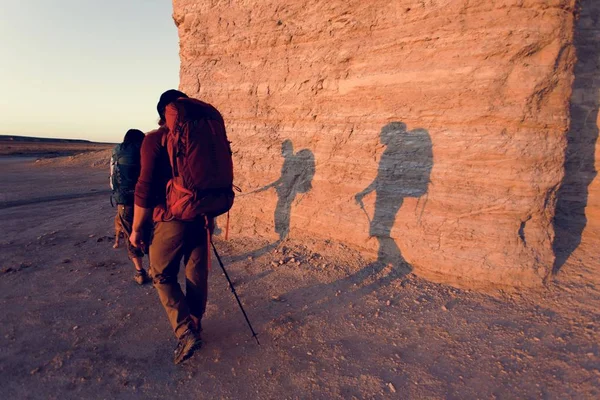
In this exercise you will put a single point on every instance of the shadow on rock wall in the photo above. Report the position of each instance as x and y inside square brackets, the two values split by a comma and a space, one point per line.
[404, 171]
[570, 217]
[297, 173]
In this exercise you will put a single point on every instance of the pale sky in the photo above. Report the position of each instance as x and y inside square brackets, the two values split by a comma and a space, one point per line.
[86, 69]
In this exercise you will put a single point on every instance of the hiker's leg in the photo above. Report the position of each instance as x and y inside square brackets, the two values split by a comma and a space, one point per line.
[117, 229]
[166, 251]
[126, 221]
[387, 204]
[282, 215]
[196, 271]
[137, 263]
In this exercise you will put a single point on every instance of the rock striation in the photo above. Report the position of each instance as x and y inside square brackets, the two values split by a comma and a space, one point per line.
[431, 134]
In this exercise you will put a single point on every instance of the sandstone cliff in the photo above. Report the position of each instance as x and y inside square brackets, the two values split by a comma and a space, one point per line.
[427, 131]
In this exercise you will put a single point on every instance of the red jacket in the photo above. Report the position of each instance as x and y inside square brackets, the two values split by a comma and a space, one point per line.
[150, 191]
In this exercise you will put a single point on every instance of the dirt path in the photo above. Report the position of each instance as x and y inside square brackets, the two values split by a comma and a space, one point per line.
[47, 199]
[74, 325]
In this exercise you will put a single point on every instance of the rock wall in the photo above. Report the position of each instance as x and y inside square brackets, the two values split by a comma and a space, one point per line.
[431, 134]
[577, 222]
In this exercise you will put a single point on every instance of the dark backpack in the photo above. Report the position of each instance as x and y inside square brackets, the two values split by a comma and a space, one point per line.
[201, 161]
[305, 161]
[125, 169]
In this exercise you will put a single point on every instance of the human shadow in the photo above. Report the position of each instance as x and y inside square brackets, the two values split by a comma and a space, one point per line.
[570, 217]
[296, 177]
[254, 253]
[404, 171]
[297, 173]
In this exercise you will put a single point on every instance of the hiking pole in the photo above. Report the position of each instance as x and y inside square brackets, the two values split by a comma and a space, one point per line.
[362, 207]
[254, 335]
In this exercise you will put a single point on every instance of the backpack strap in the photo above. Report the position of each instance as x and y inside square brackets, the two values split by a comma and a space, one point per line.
[163, 139]
[208, 242]
[227, 227]
[173, 121]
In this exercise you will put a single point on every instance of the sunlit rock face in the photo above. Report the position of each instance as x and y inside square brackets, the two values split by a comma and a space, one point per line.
[430, 134]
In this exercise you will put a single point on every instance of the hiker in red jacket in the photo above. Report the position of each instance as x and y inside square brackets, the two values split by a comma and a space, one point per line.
[186, 179]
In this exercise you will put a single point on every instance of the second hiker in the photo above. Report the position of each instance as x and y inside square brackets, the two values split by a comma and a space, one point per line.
[124, 172]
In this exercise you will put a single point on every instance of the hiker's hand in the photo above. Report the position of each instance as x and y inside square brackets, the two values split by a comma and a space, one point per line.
[358, 198]
[136, 239]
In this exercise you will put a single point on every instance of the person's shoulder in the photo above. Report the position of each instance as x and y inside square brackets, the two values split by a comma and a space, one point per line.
[156, 133]
[154, 137]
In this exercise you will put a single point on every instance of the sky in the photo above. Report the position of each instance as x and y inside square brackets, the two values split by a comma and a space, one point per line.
[84, 69]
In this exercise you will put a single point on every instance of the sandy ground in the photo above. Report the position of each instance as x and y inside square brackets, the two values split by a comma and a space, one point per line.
[73, 324]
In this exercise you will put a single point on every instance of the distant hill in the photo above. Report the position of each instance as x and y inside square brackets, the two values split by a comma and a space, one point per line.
[12, 145]
[14, 138]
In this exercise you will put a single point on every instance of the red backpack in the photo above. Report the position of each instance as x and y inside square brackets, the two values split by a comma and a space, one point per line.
[201, 162]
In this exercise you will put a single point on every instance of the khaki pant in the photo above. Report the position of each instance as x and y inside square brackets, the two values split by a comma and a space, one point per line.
[173, 241]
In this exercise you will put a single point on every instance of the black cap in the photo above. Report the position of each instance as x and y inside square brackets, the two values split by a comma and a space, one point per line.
[165, 99]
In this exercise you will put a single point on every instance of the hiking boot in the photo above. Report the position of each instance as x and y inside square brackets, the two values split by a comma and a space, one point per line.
[141, 277]
[188, 342]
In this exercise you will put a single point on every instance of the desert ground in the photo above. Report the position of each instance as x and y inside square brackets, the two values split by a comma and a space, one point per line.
[332, 324]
